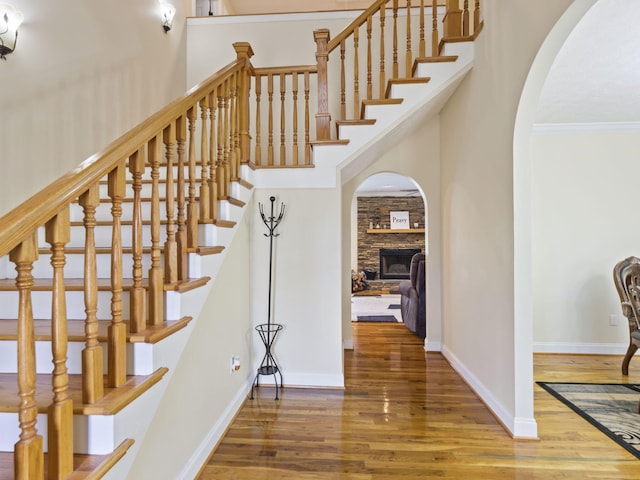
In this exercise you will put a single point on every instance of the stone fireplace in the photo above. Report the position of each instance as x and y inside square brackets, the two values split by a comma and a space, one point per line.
[375, 234]
[395, 263]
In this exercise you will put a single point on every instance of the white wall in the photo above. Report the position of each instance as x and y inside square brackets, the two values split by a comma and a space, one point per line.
[583, 197]
[203, 395]
[477, 207]
[306, 284]
[272, 37]
[82, 74]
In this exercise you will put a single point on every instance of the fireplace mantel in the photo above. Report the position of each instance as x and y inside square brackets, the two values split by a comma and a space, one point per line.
[388, 230]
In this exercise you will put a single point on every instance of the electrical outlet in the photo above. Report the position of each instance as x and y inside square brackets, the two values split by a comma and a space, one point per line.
[613, 320]
[235, 363]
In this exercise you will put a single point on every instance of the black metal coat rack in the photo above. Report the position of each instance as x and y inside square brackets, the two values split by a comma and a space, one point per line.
[268, 331]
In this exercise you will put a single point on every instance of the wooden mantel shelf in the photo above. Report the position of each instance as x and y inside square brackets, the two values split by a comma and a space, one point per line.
[388, 230]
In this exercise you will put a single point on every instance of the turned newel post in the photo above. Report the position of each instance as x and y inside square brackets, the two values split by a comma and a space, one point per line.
[323, 117]
[453, 19]
[244, 52]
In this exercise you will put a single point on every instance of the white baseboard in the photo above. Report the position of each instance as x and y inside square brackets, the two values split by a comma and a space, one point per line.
[432, 346]
[584, 348]
[517, 427]
[305, 380]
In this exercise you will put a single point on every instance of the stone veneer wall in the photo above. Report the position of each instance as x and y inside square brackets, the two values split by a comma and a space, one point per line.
[372, 209]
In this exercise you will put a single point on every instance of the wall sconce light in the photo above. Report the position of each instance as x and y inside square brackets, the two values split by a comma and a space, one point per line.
[167, 11]
[10, 20]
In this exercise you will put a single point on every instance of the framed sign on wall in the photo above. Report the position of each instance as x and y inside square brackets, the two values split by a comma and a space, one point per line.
[399, 220]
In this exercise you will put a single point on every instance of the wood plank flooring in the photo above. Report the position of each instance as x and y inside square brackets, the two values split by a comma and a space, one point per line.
[405, 414]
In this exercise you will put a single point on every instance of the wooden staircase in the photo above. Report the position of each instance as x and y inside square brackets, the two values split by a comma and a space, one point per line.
[95, 269]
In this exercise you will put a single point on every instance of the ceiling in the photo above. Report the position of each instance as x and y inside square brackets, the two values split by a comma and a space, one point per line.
[595, 77]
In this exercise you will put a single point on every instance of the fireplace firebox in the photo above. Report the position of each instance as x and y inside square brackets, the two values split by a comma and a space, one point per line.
[395, 263]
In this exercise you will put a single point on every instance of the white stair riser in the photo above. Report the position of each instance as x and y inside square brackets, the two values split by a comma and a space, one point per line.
[103, 212]
[44, 357]
[41, 304]
[74, 267]
[210, 235]
[102, 235]
[92, 434]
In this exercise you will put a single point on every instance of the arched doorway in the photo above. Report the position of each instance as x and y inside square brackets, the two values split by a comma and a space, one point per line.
[388, 226]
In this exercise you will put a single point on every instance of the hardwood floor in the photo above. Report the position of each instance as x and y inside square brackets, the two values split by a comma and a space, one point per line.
[405, 414]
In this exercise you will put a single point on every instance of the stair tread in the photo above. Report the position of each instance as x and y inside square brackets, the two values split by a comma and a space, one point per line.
[204, 250]
[315, 143]
[114, 400]
[103, 284]
[405, 81]
[440, 59]
[86, 467]
[357, 121]
[381, 101]
[107, 223]
[75, 329]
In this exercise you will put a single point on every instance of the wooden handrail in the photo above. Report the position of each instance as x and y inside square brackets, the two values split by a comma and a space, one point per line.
[20, 222]
[357, 23]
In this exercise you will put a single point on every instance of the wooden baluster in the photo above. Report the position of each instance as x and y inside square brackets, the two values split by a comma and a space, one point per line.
[214, 145]
[323, 117]
[244, 52]
[294, 87]
[356, 74]
[181, 236]
[476, 17]
[92, 367]
[137, 307]
[343, 82]
[465, 18]
[369, 61]
[220, 151]
[192, 204]
[383, 79]
[283, 152]
[28, 456]
[409, 55]
[435, 43]
[205, 205]
[395, 38]
[226, 167]
[235, 124]
[307, 142]
[422, 46]
[156, 275]
[60, 412]
[170, 245]
[117, 331]
[270, 119]
[258, 151]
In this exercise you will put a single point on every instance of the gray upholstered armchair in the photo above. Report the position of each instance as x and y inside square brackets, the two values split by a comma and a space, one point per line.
[413, 302]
